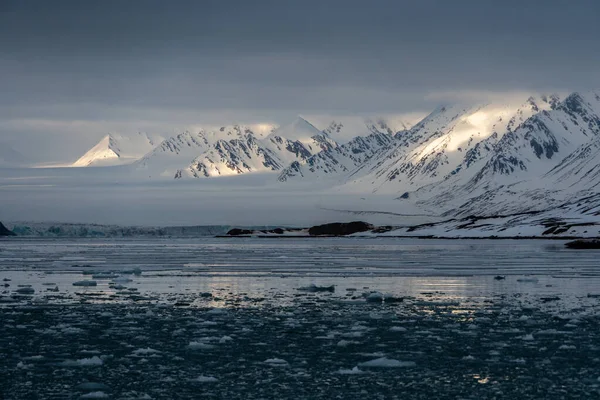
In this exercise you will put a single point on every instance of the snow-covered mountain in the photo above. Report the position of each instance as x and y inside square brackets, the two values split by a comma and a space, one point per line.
[235, 149]
[251, 154]
[340, 160]
[115, 149]
[528, 154]
[547, 161]
[239, 149]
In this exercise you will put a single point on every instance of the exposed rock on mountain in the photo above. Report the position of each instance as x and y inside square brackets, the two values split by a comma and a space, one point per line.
[528, 154]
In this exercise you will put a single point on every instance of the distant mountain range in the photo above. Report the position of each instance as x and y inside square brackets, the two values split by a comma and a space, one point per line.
[227, 150]
[535, 153]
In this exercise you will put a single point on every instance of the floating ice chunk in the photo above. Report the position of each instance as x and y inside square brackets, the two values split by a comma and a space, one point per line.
[468, 358]
[84, 362]
[528, 338]
[276, 362]
[397, 329]
[567, 347]
[384, 362]
[200, 346]
[354, 334]
[38, 357]
[345, 343]
[375, 297]
[145, 351]
[206, 379]
[95, 395]
[72, 330]
[85, 283]
[118, 287]
[225, 339]
[353, 371]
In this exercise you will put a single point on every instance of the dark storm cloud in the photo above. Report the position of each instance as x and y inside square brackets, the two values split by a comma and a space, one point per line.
[284, 57]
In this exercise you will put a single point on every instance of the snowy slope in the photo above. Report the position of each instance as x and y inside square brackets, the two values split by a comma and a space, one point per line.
[545, 161]
[231, 150]
[450, 140]
[249, 154]
[174, 154]
[238, 149]
[115, 149]
[527, 154]
[299, 130]
[340, 160]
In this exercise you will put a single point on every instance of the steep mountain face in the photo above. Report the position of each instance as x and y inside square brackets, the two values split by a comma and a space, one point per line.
[236, 149]
[115, 149]
[173, 155]
[249, 154]
[105, 150]
[452, 140]
[449, 140]
[547, 160]
[241, 149]
[523, 155]
[339, 160]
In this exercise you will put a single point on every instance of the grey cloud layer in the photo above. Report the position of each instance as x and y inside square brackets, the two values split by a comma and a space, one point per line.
[96, 59]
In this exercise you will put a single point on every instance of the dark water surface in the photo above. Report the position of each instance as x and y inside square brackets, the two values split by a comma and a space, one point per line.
[218, 318]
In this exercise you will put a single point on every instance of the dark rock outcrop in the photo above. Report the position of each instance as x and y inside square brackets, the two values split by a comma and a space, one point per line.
[5, 232]
[340, 228]
[239, 232]
[584, 244]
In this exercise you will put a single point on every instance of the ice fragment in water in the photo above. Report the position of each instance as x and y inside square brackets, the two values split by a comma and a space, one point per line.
[384, 362]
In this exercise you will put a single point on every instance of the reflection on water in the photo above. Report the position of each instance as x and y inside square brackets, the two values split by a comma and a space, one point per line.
[271, 268]
[225, 319]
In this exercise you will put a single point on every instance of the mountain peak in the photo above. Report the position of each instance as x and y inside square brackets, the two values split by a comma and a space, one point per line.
[106, 149]
[298, 130]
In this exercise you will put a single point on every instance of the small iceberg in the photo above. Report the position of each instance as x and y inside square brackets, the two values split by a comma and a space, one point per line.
[206, 379]
[276, 362]
[384, 362]
[353, 371]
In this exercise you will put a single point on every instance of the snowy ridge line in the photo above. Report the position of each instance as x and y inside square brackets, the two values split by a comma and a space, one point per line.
[232, 149]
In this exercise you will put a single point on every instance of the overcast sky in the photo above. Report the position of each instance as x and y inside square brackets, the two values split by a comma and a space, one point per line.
[72, 70]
